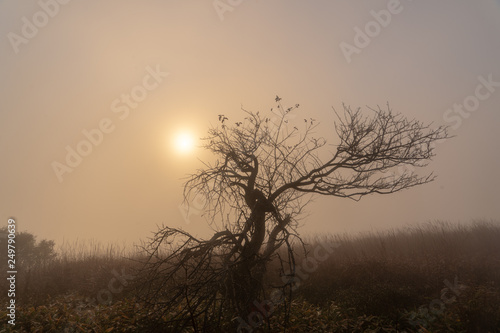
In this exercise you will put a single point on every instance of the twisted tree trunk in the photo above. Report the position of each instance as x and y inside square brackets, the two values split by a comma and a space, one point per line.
[247, 273]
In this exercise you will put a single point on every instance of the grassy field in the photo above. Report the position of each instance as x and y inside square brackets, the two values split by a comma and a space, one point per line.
[431, 278]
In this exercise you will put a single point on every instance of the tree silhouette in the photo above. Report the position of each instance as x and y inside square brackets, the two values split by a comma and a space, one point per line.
[264, 174]
[29, 252]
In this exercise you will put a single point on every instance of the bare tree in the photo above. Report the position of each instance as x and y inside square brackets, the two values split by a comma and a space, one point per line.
[264, 174]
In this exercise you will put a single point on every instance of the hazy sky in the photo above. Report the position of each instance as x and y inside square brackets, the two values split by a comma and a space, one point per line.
[131, 74]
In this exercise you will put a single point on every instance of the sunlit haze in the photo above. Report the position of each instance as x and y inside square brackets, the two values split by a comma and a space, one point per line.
[103, 104]
[184, 142]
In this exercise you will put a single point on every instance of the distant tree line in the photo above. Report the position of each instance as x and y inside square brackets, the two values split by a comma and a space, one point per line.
[29, 252]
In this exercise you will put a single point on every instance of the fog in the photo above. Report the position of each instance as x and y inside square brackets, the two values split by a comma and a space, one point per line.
[118, 80]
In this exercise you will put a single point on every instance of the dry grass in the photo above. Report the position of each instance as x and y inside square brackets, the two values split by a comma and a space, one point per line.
[383, 273]
[385, 279]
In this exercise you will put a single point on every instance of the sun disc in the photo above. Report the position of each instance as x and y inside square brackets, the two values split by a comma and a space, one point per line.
[184, 142]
